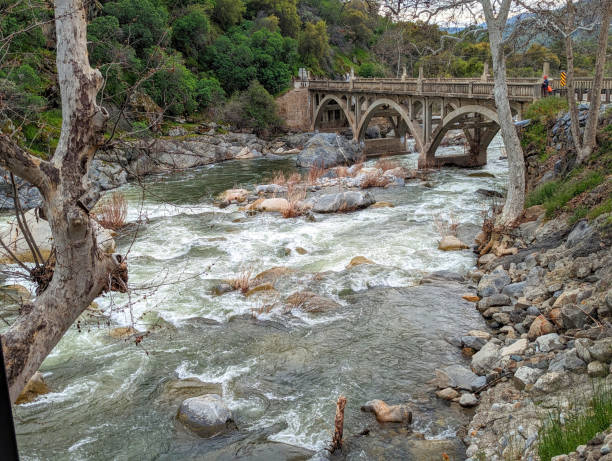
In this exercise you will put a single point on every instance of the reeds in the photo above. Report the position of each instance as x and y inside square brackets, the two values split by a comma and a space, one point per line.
[111, 212]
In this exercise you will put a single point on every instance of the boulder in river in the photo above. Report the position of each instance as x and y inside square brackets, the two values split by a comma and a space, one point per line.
[451, 243]
[325, 150]
[238, 195]
[36, 386]
[358, 261]
[342, 201]
[206, 415]
[180, 389]
[388, 413]
[273, 205]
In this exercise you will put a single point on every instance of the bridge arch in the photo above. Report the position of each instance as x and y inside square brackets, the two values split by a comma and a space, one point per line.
[369, 113]
[343, 106]
[478, 146]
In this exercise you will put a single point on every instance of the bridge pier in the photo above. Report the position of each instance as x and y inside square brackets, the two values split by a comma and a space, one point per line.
[425, 109]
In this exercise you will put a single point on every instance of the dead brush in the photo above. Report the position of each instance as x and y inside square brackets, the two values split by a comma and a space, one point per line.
[279, 179]
[295, 178]
[446, 227]
[386, 164]
[295, 196]
[373, 179]
[315, 173]
[243, 282]
[111, 212]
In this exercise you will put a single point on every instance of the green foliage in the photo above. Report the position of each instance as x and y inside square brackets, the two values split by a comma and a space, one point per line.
[546, 109]
[26, 79]
[284, 10]
[103, 35]
[314, 45]
[371, 70]
[554, 195]
[356, 20]
[228, 13]
[542, 113]
[143, 22]
[562, 435]
[255, 109]
[267, 56]
[535, 135]
[603, 208]
[179, 90]
[190, 33]
[17, 19]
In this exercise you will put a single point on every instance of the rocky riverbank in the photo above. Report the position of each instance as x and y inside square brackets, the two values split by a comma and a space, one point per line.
[544, 288]
[134, 159]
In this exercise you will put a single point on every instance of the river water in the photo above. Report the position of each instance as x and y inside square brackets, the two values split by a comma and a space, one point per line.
[280, 373]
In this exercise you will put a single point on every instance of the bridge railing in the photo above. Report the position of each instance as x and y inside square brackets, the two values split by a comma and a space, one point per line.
[523, 88]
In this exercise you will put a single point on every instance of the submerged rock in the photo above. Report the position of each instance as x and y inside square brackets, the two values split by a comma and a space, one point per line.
[311, 302]
[206, 415]
[388, 413]
[189, 387]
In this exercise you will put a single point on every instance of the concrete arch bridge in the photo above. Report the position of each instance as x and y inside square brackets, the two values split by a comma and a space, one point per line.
[424, 109]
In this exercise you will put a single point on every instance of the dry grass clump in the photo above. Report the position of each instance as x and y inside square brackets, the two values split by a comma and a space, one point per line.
[242, 282]
[446, 227]
[342, 172]
[279, 178]
[386, 164]
[262, 309]
[315, 173]
[375, 180]
[295, 178]
[295, 196]
[111, 212]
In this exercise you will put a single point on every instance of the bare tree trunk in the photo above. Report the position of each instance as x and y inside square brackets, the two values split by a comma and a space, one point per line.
[571, 91]
[515, 201]
[590, 130]
[82, 272]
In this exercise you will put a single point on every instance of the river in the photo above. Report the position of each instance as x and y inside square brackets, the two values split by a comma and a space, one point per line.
[280, 373]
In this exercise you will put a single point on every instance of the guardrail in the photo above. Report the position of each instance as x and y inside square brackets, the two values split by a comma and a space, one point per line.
[523, 88]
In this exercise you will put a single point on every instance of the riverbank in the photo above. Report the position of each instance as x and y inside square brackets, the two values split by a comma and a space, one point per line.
[544, 289]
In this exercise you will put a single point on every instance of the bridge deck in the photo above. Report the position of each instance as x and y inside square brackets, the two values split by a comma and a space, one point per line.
[518, 89]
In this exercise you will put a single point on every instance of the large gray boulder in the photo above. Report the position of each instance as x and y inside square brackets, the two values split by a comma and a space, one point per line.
[486, 358]
[343, 201]
[459, 377]
[206, 415]
[325, 150]
[493, 282]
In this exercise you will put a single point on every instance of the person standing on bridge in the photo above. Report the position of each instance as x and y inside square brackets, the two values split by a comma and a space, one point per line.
[545, 86]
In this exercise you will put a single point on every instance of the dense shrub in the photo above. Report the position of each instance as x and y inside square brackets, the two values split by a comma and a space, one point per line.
[190, 33]
[254, 109]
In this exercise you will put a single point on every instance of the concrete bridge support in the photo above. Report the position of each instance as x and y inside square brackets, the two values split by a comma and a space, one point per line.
[424, 109]
[427, 119]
